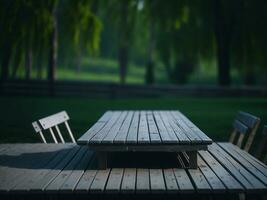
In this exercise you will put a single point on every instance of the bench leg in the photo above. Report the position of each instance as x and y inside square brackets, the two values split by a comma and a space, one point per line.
[102, 160]
[192, 159]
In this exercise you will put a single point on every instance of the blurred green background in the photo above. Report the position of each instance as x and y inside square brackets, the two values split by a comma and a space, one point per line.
[199, 42]
[145, 42]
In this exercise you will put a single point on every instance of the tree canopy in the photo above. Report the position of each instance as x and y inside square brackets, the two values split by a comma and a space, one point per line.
[180, 35]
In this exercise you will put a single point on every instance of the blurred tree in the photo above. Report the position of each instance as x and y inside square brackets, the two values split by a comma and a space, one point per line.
[224, 15]
[177, 23]
[123, 14]
[249, 49]
[31, 30]
[80, 29]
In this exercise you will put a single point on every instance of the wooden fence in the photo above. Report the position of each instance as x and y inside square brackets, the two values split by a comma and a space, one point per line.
[115, 90]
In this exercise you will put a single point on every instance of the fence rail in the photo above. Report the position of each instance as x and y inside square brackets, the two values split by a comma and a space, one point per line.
[115, 90]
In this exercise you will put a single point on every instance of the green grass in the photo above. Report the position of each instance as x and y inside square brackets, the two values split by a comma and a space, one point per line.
[107, 70]
[213, 115]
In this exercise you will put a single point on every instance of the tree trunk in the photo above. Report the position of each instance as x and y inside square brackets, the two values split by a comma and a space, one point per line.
[28, 63]
[39, 67]
[39, 61]
[248, 64]
[78, 59]
[222, 35]
[223, 62]
[150, 76]
[247, 48]
[5, 60]
[123, 62]
[17, 60]
[123, 41]
[51, 75]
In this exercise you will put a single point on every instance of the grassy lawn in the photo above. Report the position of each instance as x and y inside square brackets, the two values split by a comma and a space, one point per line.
[213, 115]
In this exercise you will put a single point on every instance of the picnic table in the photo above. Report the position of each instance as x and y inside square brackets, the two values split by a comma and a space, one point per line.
[145, 131]
[67, 171]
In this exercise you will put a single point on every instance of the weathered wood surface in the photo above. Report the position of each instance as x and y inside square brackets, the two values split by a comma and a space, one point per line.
[244, 124]
[54, 169]
[126, 128]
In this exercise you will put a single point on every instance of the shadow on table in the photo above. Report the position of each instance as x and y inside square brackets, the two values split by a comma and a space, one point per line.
[59, 159]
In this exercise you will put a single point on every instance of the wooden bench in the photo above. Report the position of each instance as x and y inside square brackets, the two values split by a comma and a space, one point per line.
[244, 124]
[51, 170]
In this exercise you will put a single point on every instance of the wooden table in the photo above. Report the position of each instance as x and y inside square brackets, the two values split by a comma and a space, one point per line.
[60, 171]
[142, 131]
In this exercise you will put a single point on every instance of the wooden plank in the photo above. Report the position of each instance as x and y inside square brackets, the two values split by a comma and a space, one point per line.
[29, 180]
[91, 132]
[143, 133]
[171, 132]
[133, 130]
[199, 180]
[142, 181]
[114, 180]
[195, 129]
[251, 159]
[87, 177]
[106, 116]
[180, 133]
[10, 157]
[230, 167]
[256, 169]
[97, 138]
[95, 128]
[37, 157]
[8, 160]
[238, 171]
[179, 122]
[247, 119]
[112, 133]
[229, 181]
[86, 180]
[144, 147]
[42, 181]
[76, 174]
[56, 184]
[183, 181]
[214, 182]
[123, 132]
[162, 129]
[7, 147]
[129, 180]
[53, 120]
[171, 184]
[241, 128]
[156, 180]
[99, 181]
[153, 130]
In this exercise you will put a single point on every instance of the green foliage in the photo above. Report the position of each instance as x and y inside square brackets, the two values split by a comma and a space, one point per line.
[79, 25]
[28, 25]
[181, 38]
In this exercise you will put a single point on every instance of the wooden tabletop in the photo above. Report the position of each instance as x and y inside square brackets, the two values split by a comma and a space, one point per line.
[54, 169]
[144, 128]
